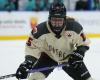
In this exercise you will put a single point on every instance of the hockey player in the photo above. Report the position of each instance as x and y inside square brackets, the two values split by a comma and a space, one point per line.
[60, 40]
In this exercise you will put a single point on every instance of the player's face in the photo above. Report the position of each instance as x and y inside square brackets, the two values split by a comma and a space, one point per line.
[57, 22]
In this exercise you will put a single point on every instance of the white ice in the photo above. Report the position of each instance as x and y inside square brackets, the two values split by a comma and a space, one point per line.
[12, 54]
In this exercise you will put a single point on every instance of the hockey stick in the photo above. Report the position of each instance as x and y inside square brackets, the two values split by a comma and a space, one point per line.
[47, 68]
[35, 70]
[7, 76]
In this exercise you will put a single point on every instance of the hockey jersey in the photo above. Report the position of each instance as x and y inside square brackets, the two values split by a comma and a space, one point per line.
[58, 49]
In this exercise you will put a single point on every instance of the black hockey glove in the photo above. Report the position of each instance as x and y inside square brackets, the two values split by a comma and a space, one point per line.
[22, 71]
[76, 58]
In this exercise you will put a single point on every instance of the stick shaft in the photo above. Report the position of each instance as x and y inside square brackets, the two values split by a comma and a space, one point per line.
[34, 70]
[7, 76]
[47, 68]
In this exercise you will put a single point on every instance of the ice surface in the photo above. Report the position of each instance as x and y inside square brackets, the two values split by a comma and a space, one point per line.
[12, 54]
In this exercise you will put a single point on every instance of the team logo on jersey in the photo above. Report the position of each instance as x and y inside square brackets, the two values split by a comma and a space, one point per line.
[68, 34]
[58, 53]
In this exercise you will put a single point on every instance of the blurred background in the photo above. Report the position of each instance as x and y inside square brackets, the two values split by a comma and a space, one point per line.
[43, 5]
[19, 17]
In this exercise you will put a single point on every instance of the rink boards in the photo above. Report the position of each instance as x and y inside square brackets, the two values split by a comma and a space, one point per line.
[17, 25]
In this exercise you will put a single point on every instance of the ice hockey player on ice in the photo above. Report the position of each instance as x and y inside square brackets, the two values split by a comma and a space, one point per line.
[59, 40]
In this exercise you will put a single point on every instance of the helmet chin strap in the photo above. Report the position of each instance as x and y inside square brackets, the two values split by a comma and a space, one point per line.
[55, 29]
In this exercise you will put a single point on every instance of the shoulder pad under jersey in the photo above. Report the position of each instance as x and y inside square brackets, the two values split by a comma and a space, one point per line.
[41, 29]
[73, 25]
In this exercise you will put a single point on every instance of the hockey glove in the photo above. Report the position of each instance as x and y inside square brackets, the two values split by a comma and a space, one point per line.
[76, 58]
[22, 71]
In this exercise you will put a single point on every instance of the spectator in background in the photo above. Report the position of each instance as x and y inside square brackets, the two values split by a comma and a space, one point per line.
[39, 5]
[46, 5]
[22, 5]
[2, 4]
[9, 6]
[96, 4]
[55, 1]
[30, 5]
[16, 4]
[81, 5]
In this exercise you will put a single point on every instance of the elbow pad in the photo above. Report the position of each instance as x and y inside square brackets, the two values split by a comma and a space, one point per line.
[29, 61]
